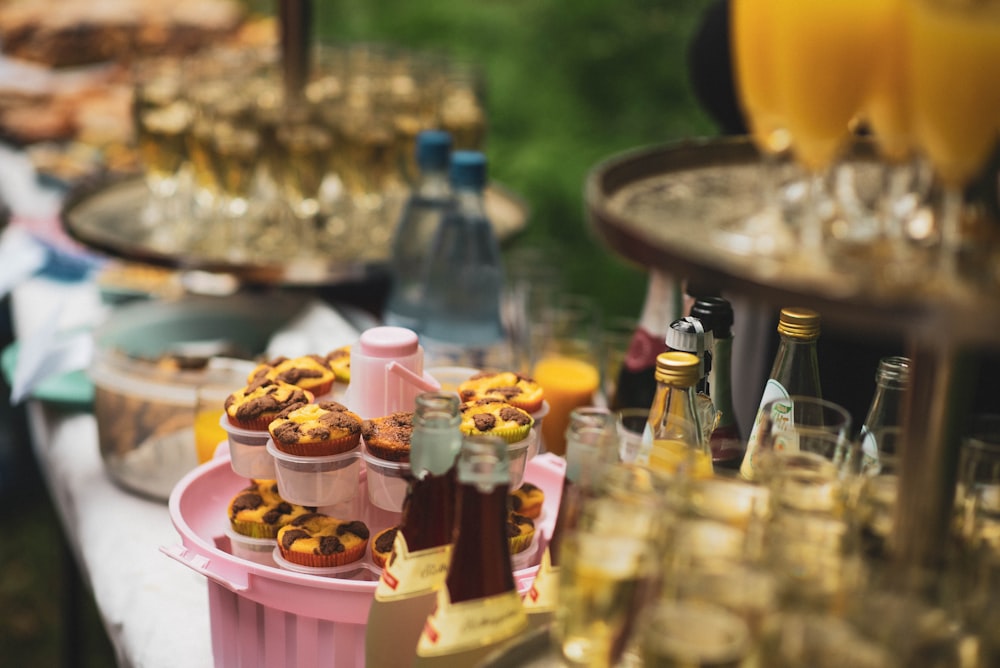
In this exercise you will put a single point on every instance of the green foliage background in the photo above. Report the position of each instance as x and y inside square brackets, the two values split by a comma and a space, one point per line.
[569, 84]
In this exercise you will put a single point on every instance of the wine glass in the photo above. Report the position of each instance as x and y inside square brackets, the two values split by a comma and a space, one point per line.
[954, 49]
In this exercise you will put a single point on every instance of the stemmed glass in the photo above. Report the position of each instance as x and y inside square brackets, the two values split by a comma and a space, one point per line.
[954, 53]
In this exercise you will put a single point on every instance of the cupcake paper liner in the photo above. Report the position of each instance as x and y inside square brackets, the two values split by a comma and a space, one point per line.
[324, 560]
[320, 449]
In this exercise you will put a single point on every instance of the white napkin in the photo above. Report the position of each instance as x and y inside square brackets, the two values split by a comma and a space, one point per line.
[48, 352]
[316, 330]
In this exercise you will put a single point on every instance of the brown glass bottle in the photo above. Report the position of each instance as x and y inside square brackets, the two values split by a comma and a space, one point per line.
[415, 570]
[479, 608]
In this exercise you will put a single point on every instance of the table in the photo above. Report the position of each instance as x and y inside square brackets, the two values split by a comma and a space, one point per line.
[154, 609]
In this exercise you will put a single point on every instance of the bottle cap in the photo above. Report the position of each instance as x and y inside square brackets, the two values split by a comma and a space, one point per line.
[483, 462]
[433, 149]
[799, 323]
[468, 169]
[688, 334]
[716, 314]
[436, 439]
[678, 368]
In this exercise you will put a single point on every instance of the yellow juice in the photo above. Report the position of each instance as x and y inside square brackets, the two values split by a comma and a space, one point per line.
[823, 52]
[886, 106]
[675, 456]
[207, 433]
[955, 55]
[568, 383]
[753, 66]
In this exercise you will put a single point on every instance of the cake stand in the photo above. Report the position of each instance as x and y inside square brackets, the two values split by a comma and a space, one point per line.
[668, 207]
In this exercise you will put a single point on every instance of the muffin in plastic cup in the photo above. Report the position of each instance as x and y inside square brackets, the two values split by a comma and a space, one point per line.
[387, 481]
[450, 377]
[257, 550]
[248, 451]
[316, 481]
[362, 569]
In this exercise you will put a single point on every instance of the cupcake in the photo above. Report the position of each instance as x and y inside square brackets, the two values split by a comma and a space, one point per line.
[382, 545]
[517, 390]
[318, 540]
[310, 372]
[254, 406]
[259, 511]
[339, 361]
[492, 417]
[326, 428]
[527, 500]
[388, 437]
[520, 531]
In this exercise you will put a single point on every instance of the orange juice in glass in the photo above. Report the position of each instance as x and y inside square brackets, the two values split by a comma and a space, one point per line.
[954, 51]
[210, 398]
[569, 382]
[886, 107]
[753, 64]
[823, 52]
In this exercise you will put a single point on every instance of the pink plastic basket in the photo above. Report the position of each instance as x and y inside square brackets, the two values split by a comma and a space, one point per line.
[270, 617]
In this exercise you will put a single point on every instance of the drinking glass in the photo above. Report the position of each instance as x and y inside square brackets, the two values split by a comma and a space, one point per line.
[616, 335]
[806, 424]
[695, 633]
[632, 424]
[565, 361]
[977, 495]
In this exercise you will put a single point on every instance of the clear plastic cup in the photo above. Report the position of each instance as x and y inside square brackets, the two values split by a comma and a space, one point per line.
[316, 481]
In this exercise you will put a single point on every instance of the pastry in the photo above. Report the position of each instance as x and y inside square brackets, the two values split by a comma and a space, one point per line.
[319, 540]
[520, 531]
[259, 511]
[495, 418]
[527, 500]
[310, 372]
[382, 545]
[388, 437]
[254, 406]
[325, 428]
[339, 361]
[516, 389]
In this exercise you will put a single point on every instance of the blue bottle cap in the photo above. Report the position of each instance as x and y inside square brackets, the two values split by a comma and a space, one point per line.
[433, 149]
[468, 169]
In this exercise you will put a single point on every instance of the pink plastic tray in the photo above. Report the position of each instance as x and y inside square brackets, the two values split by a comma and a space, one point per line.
[266, 616]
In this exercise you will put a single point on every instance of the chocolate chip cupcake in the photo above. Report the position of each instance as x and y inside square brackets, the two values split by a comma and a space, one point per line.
[321, 541]
[339, 361]
[259, 511]
[388, 437]
[254, 406]
[490, 417]
[325, 428]
[516, 389]
[520, 531]
[382, 546]
[527, 500]
[310, 372]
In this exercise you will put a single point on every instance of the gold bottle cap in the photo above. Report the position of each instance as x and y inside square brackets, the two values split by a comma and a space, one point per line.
[678, 368]
[799, 323]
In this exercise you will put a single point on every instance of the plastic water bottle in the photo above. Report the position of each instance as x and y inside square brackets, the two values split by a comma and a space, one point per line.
[464, 278]
[418, 222]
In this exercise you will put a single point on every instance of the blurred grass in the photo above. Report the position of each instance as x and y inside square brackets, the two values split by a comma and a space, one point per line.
[569, 84]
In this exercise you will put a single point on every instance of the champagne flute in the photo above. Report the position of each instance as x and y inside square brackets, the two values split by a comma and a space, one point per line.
[954, 49]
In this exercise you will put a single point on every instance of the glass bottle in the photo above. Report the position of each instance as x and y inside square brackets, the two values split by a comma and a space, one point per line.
[716, 314]
[891, 382]
[591, 442]
[464, 282]
[418, 222]
[795, 370]
[689, 335]
[678, 441]
[479, 607]
[407, 589]
[636, 383]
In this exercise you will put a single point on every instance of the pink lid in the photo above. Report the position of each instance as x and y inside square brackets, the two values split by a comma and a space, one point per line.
[388, 342]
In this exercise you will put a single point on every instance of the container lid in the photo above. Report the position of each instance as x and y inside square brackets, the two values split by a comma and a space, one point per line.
[468, 169]
[716, 314]
[433, 150]
[690, 335]
[388, 342]
[677, 368]
[799, 323]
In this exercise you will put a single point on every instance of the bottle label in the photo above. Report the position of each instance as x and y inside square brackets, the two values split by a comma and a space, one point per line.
[544, 593]
[869, 450]
[772, 390]
[459, 627]
[409, 574]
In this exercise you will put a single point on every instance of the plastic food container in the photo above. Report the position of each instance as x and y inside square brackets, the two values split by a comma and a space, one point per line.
[450, 377]
[248, 451]
[363, 569]
[517, 454]
[149, 359]
[538, 416]
[266, 616]
[386, 481]
[328, 480]
[258, 550]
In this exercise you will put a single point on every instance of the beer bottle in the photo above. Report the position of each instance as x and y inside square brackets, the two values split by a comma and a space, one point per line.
[478, 608]
[891, 382]
[795, 370]
[407, 589]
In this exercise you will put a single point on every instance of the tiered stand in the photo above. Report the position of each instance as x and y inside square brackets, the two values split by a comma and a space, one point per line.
[665, 207]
